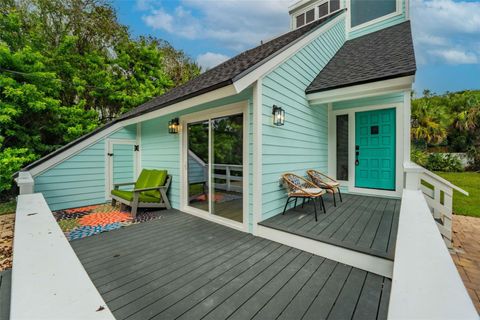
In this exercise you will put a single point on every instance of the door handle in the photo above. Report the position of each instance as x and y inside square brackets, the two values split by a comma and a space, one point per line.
[110, 154]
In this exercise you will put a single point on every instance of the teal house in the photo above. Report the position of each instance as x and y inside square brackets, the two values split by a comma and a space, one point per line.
[331, 95]
[342, 78]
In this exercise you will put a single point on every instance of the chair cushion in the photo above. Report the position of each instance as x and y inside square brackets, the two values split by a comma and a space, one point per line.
[156, 178]
[142, 179]
[128, 195]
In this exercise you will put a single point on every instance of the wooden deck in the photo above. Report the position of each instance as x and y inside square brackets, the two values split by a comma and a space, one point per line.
[184, 267]
[5, 289]
[360, 223]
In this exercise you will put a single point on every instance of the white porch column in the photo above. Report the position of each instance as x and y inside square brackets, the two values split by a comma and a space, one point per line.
[25, 182]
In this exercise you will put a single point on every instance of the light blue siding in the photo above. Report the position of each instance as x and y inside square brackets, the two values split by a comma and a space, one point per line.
[161, 150]
[399, 18]
[390, 98]
[197, 170]
[123, 164]
[80, 179]
[302, 143]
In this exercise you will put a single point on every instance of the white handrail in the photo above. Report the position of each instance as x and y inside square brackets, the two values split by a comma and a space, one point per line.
[438, 193]
[426, 283]
[48, 280]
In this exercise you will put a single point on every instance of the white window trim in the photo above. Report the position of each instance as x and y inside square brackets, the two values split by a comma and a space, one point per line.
[398, 11]
[231, 109]
[109, 163]
[313, 6]
[399, 145]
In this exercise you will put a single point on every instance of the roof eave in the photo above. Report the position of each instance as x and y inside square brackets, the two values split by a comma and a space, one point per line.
[372, 88]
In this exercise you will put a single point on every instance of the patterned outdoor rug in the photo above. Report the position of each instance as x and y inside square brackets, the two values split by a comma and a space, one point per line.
[83, 222]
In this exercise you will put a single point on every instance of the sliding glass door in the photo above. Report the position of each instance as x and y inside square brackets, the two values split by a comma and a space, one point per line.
[215, 166]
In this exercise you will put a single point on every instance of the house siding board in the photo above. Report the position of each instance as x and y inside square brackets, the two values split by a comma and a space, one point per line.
[397, 97]
[79, 180]
[302, 143]
[161, 150]
[399, 18]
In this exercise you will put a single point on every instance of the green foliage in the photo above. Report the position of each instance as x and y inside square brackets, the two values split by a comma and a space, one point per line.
[419, 156]
[11, 160]
[443, 162]
[67, 67]
[452, 119]
[474, 154]
[7, 207]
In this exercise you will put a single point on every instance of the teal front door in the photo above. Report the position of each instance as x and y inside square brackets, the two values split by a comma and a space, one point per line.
[375, 149]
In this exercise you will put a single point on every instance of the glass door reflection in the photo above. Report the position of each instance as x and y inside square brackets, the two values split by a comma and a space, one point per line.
[227, 167]
[198, 160]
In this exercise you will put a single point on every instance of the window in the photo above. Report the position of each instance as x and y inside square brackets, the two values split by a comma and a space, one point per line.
[300, 20]
[342, 147]
[363, 11]
[334, 5]
[323, 9]
[310, 15]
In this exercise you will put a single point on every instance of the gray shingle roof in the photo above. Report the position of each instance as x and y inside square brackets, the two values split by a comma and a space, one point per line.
[380, 55]
[215, 78]
[230, 70]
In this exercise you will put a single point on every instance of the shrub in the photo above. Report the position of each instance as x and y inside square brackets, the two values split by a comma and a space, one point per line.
[474, 154]
[443, 162]
[418, 156]
[12, 160]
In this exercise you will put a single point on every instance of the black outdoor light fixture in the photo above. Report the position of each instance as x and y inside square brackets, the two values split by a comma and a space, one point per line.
[173, 126]
[278, 116]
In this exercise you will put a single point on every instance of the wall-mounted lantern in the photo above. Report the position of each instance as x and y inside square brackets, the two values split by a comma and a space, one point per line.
[173, 126]
[278, 116]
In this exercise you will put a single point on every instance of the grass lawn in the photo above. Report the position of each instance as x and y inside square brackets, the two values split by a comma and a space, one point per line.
[470, 182]
[7, 207]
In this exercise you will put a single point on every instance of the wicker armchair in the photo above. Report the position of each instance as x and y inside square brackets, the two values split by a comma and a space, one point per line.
[325, 182]
[299, 187]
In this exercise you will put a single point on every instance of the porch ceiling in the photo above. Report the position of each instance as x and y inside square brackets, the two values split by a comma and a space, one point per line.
[181, 266]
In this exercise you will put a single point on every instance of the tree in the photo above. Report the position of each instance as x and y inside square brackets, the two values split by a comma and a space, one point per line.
[431, 122]
[66, 67]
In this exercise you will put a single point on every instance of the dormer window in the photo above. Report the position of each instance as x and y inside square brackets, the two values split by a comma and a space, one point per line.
[319, 10]
[364, 12]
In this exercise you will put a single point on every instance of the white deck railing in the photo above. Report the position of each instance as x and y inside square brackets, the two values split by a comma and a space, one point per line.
[438, 193]
[233, 182]
[48, 280]
[425, 284]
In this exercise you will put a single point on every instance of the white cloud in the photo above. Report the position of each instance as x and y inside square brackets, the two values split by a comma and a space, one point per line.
[235, 24]
[446, 31]
[454, 56]
[210, 59]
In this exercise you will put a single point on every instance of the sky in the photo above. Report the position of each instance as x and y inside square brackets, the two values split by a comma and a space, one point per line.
[446, 33]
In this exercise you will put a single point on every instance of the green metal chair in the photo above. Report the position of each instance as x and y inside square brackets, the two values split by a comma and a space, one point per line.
[150, 191]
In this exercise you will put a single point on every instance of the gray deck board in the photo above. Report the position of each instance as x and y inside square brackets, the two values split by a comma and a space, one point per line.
[5, 289]
[184, 267]
[361, 223]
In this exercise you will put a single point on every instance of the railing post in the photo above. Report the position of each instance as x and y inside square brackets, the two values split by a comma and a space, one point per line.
[228, 177]
[25, 182]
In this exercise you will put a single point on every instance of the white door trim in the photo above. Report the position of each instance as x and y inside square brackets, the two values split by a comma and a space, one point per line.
[109, 163]
[399, 145]
[231, 109]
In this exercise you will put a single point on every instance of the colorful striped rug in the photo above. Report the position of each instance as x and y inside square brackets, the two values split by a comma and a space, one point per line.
[83, 222]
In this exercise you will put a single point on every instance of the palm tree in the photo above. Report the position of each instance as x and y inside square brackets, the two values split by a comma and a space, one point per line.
[430, 122]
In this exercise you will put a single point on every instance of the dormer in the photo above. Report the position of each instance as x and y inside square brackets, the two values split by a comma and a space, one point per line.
[363, 16]
[306, 11]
